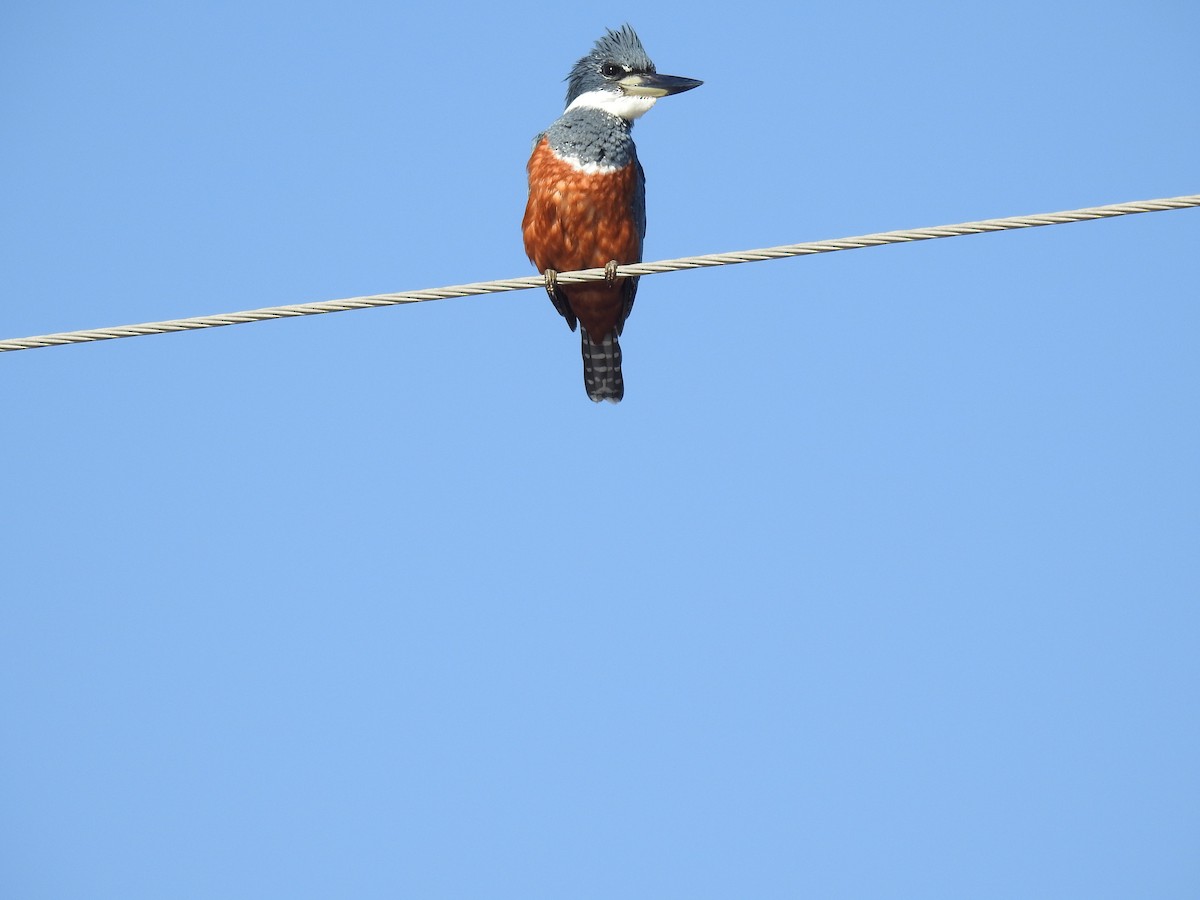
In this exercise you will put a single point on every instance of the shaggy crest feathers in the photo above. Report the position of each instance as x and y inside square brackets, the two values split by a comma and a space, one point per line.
[622, 47]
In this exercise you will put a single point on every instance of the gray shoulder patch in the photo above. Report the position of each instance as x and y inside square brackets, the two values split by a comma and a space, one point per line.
[592, 138]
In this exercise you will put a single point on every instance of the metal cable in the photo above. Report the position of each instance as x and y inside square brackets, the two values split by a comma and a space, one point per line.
[646, 268]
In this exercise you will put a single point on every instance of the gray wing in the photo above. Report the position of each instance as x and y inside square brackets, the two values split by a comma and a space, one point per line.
[639, 217]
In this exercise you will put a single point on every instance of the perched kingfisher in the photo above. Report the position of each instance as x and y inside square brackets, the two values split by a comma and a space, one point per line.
[587, 197]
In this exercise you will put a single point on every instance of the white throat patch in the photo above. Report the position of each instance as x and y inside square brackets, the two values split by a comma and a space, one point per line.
[616, 104]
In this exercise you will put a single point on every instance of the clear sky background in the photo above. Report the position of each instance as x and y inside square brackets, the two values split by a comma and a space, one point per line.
[882, 582]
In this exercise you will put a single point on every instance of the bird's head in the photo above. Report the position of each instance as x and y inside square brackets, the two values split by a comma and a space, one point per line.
[618, 78]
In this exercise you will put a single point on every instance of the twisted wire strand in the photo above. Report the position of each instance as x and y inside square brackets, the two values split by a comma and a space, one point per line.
[645, 268]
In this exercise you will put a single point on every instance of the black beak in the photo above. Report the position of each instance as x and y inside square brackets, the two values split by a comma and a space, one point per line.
[653, 85]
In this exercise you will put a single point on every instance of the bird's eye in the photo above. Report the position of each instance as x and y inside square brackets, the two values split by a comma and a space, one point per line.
[611, 70]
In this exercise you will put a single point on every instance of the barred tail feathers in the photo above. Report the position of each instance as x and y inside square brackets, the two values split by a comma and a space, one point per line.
[602, 368]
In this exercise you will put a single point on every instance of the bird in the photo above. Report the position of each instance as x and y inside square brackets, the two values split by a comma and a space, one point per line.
[587, 197]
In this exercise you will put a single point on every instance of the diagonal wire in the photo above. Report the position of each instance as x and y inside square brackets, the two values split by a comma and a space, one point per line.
[648, 268]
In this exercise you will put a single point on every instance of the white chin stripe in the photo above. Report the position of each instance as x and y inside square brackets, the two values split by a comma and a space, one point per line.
[615, 104]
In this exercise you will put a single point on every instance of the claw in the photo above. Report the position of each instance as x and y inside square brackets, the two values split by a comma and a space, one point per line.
[610, 272]
[551, 277]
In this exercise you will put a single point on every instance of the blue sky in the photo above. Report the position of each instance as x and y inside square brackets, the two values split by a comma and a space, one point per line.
[882, 581]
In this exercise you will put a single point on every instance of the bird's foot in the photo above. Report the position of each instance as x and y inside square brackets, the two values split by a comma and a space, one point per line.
[610, 273]
[551, 277]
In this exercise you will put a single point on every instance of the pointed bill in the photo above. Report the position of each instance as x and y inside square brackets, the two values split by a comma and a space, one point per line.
[654, 85]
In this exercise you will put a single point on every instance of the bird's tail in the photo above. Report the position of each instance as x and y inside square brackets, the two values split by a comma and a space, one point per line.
[602, 368]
